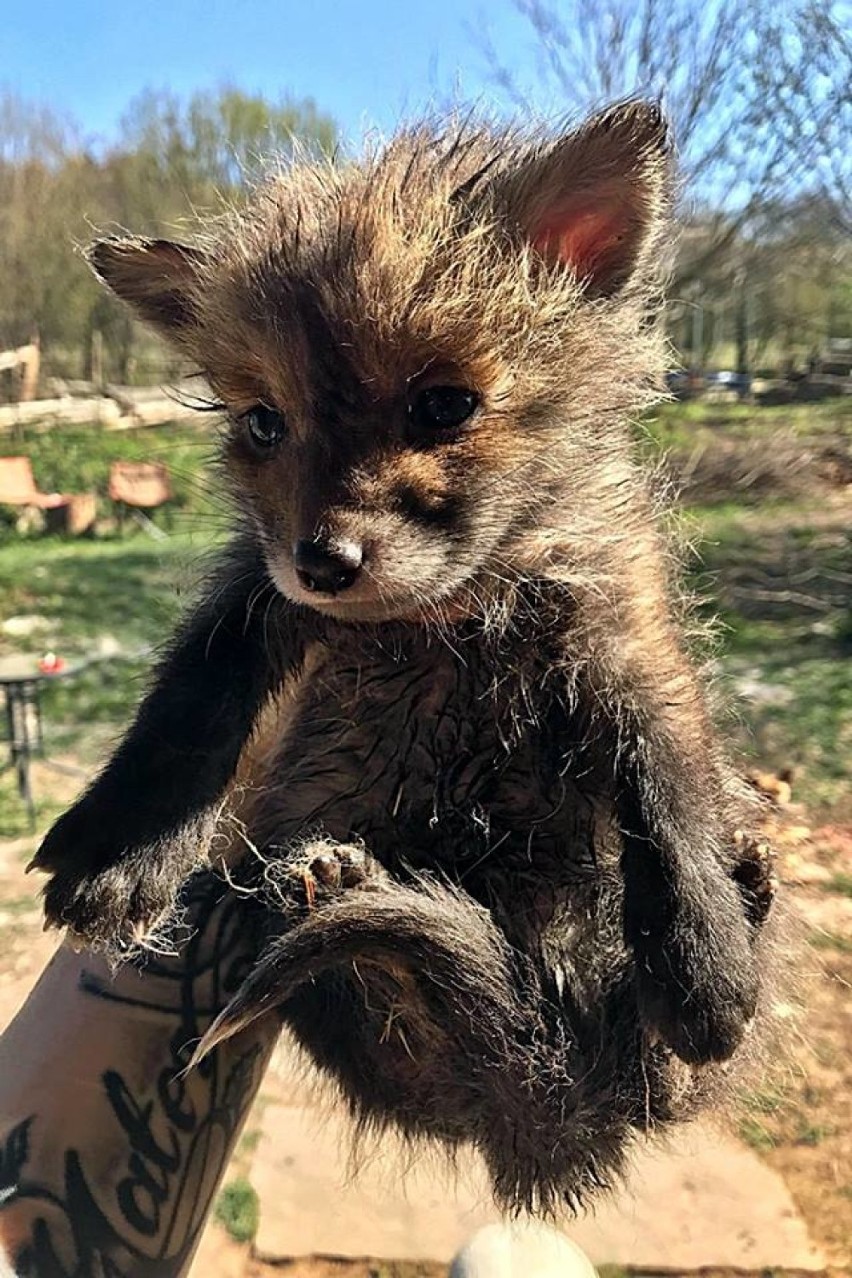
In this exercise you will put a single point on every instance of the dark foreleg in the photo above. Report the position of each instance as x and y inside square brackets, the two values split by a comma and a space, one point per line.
[695, 892]
[117, 858]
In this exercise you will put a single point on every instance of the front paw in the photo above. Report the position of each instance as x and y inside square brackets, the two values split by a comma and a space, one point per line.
[697, 986]
[107, 891]
[80, 838]
[696, 975]
[112, 907]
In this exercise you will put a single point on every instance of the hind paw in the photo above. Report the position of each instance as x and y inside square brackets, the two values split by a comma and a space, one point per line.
[696, 975]
[325, 869]
[755, 876]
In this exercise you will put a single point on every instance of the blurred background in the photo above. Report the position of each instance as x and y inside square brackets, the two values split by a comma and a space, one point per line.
[146, 118]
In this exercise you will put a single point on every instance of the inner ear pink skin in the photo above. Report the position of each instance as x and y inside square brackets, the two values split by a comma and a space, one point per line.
[594, 240]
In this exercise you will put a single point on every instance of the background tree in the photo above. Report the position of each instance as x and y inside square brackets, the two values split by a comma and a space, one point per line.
[172, 159]
[804, 68]
[761, 100]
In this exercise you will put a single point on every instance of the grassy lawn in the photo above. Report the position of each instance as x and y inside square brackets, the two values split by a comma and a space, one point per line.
[776, 576]
[112, 600]
[76, 459]
[695, 422]
[84, 589]
[778, 582]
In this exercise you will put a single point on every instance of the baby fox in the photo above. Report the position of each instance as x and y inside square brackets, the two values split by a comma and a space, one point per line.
[495, 779]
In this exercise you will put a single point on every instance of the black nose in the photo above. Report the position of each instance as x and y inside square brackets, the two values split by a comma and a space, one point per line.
[328, 566]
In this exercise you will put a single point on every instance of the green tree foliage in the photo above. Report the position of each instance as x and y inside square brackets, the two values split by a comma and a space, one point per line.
[770, 295]
[173, 159]
[213, 142]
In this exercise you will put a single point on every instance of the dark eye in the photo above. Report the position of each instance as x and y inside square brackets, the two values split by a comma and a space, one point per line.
[442, 408]
[265, 426]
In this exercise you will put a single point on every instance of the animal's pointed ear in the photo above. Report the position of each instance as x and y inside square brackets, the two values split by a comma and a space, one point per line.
[597, 198]
[156, 277]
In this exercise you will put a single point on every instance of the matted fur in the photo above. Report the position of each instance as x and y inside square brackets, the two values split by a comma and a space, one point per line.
[498, 851]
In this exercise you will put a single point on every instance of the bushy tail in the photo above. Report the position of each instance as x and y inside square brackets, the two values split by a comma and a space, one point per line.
[413, 1001]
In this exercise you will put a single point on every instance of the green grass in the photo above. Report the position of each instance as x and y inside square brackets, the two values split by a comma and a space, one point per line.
[238, 1210]
[812, 731]
[821, 940]
[839, 883]
[683, 425]
[798, 1129]
[757, 1107]
[75, 459]
[753, 1133]
[776, 581]
[767, 1100]
[792, 1124]
[810, 1133]
[118, 594]
[125, 587]
[249, 1141]
[96, 596]
[14, 819]
[115, 596]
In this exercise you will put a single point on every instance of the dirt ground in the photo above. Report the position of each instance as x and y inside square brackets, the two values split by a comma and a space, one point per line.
[800, 1122]
[804, 1127]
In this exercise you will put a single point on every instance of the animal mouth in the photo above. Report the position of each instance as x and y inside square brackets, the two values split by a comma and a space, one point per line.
[369, 599]
[361, 600]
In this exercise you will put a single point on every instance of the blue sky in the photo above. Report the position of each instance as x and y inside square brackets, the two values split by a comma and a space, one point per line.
[364, 61]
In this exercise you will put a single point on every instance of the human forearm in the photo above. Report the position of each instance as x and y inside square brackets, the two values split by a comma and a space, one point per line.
[110, 1153]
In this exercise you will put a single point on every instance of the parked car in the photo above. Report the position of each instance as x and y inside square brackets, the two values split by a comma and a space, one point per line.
[728, 384]
[684, 383]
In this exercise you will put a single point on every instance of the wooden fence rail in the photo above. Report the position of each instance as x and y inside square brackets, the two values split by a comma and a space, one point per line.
[27, 359]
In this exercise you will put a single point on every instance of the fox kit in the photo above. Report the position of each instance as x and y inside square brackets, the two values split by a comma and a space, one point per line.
[513, 903]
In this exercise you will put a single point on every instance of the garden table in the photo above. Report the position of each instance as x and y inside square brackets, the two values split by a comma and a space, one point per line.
[21, 679]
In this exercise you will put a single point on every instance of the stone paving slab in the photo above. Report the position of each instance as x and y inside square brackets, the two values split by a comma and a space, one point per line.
[311, 1205]
[705, 1200]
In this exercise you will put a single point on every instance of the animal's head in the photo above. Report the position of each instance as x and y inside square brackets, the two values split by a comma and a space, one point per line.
[419, 353]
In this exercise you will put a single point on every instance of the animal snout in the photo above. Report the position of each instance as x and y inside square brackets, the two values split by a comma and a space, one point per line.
[327, 566]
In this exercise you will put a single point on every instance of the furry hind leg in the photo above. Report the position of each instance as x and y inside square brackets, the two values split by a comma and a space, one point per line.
[412, 1001]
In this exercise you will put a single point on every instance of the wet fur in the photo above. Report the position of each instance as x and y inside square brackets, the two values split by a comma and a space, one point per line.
[558, 916]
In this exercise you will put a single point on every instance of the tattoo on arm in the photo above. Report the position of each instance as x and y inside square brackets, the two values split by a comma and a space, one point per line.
[171, 1139]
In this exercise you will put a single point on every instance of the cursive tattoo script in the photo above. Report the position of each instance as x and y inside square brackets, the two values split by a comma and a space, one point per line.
[171, 1138]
